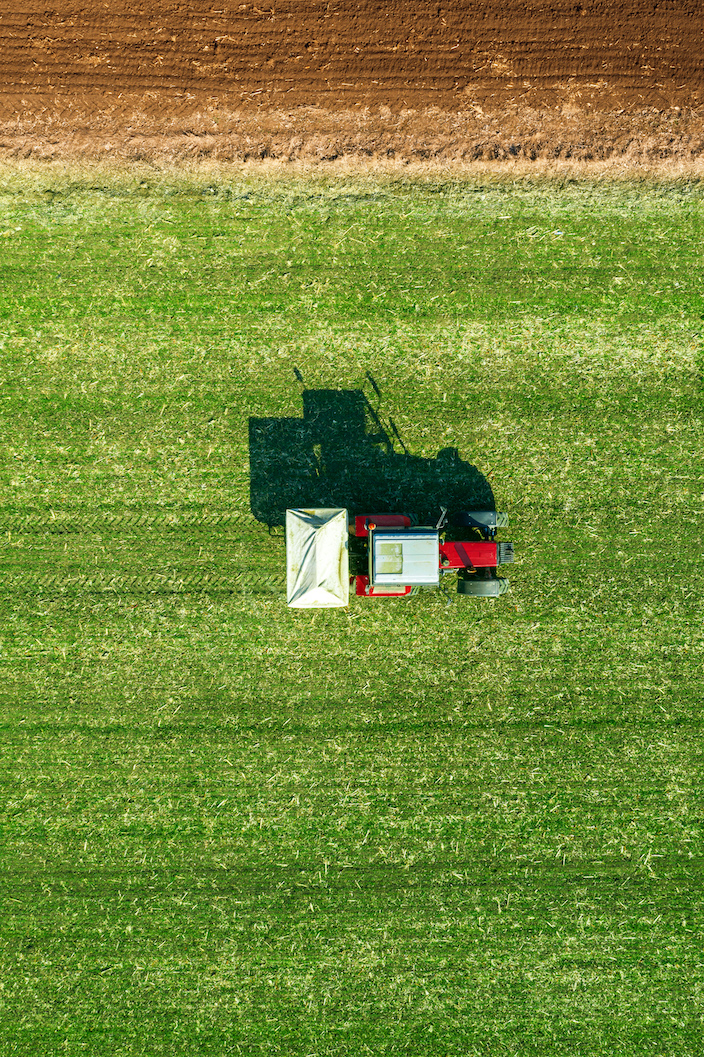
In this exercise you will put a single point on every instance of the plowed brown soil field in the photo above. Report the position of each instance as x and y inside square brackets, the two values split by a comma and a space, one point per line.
[454, 80]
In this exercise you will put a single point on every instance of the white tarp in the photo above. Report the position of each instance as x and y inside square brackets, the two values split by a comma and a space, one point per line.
[317, 558]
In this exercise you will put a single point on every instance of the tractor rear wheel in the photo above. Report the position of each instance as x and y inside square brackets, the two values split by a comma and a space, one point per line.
[482, 587]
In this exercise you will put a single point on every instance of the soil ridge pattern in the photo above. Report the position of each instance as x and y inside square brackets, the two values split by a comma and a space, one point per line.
[311, 79]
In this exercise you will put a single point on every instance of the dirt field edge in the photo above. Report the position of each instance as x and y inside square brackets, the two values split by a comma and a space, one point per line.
[669, 141]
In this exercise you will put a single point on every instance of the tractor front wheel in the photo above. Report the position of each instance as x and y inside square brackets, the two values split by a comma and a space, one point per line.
[482, 587]
[487, 521]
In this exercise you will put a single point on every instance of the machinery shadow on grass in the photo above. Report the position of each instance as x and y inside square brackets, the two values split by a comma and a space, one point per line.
[340, 454]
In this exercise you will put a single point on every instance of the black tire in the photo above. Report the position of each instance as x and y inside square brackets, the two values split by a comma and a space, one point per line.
[487, 521]
[481, 587]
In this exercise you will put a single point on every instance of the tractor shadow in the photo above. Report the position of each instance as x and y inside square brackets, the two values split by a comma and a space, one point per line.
[340, 454]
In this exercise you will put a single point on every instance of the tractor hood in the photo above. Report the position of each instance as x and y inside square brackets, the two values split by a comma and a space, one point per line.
[317, 558]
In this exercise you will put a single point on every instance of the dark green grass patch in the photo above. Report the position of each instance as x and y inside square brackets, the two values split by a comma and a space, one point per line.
[409, 827]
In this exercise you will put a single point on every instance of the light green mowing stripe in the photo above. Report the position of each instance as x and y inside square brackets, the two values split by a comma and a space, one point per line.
[408, 827]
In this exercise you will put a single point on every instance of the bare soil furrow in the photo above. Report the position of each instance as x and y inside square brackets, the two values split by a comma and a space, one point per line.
[69, 71]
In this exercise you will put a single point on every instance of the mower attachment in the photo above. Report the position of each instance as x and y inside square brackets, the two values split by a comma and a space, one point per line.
[400, 557]
[317, 558]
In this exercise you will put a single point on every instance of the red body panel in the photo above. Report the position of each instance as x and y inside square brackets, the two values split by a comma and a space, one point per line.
[382, 520]
[363, 587]
[465, 554]
[478, 554]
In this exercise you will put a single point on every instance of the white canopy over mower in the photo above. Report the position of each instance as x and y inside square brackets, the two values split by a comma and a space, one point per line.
[317, 558]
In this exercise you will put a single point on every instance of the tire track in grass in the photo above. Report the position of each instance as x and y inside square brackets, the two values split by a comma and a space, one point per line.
[244, 582]
[71, 521]
[50, 522]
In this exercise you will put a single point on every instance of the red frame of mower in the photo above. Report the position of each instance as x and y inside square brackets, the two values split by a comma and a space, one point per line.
[465, 554]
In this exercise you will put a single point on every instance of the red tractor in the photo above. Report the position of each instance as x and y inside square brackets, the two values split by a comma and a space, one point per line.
[393, 556]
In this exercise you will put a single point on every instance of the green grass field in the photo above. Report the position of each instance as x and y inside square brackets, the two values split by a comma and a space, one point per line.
[408, 827]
